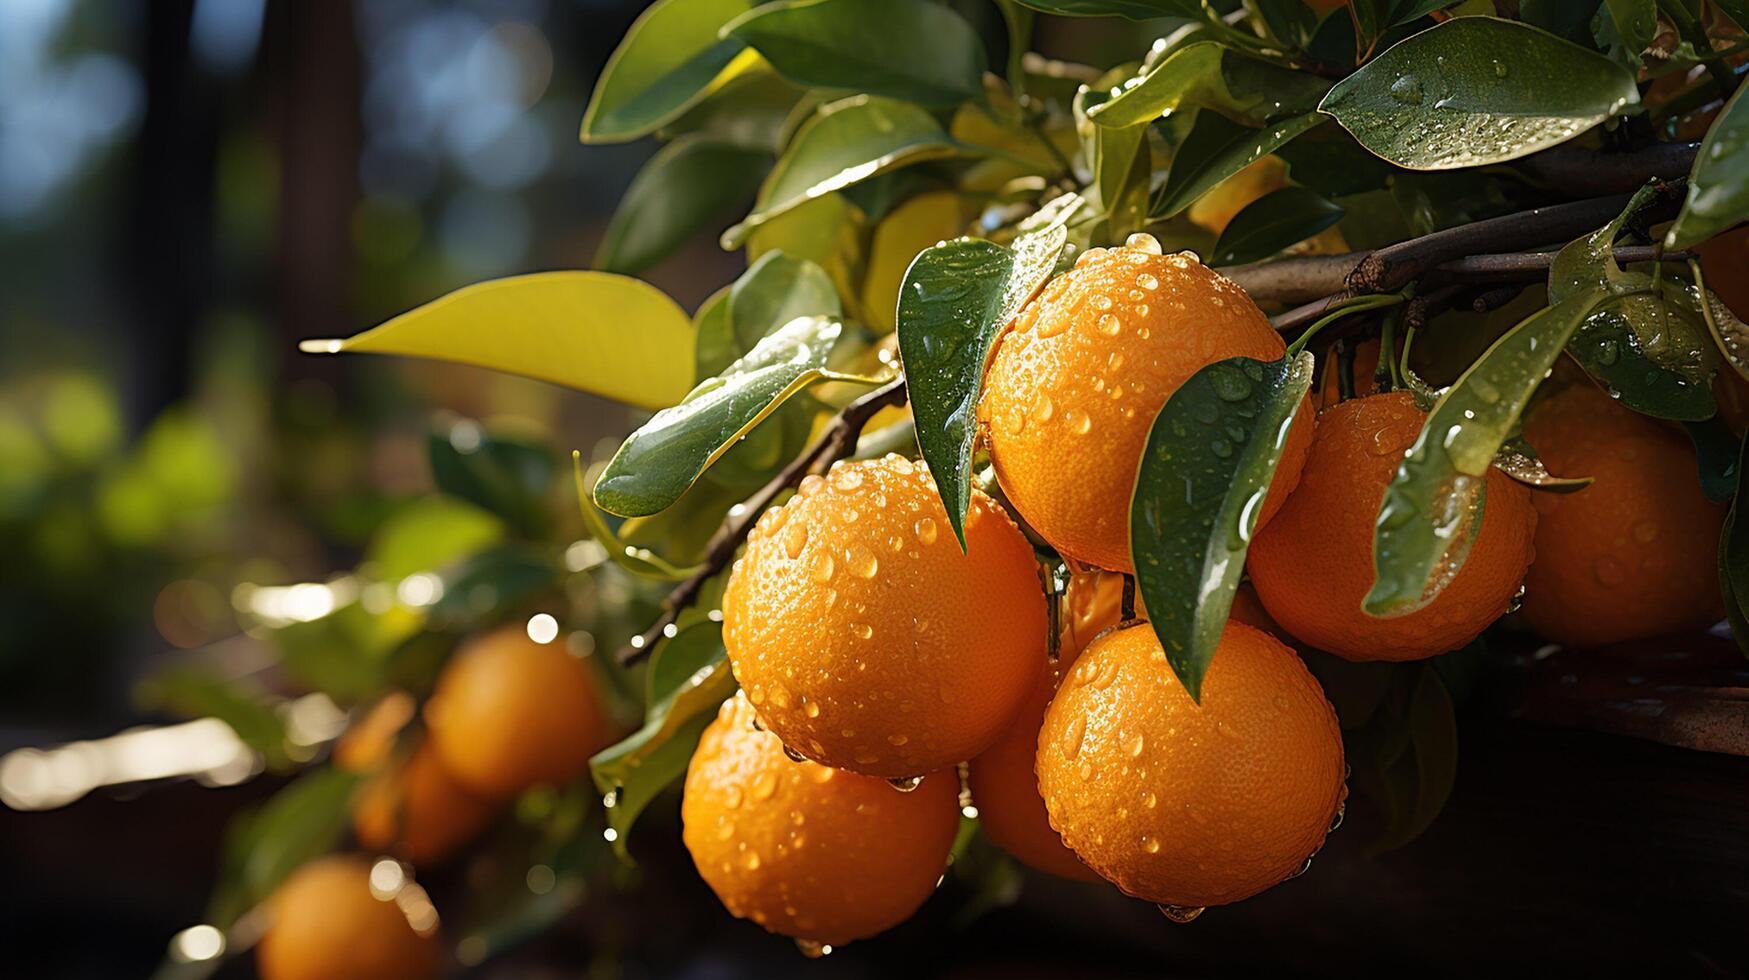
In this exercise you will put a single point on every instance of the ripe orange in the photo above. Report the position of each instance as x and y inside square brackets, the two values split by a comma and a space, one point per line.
[1215, 210]
[1191, 805]
[1634, 554]
[1003, 783]
[417, 810]
[509, 713]
[327, 925]
[369, 742]
[817, 854]
[1314, 564]
[862, 635]
[1084, 369]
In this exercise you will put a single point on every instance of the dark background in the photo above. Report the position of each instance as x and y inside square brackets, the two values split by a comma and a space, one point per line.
[189, 188]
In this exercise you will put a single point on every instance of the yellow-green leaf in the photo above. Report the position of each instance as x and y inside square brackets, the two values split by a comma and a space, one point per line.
[606, 334]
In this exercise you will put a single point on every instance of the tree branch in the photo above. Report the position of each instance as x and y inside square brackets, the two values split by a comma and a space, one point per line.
[837, 442]
[1580, 172]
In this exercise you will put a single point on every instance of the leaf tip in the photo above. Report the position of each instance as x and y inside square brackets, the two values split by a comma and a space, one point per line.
[326, 346]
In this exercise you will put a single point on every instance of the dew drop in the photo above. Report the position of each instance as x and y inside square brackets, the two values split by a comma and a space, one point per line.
[1141, 241]
[822, 568]
[1608, 572]
[1150, 844]
[1136, 745]
[764, 785]
[926, 530]
[846, 477]
[1109, 324]
[862, 631]
[795, 537]
[906, 784]
[1500, 69]
[861, 561]
[1407, 89]
[1074, 736]
[1182, 914]
[811, 709]
[1646, 532]
[1231, 386]
[1147, 281]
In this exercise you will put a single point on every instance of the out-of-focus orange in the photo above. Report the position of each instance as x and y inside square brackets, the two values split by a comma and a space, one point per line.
[327, 925]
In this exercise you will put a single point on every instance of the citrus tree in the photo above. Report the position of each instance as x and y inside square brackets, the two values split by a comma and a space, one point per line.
[1063, 417]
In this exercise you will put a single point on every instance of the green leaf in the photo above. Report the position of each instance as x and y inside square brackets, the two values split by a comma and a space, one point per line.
[775, 290]
[1211, 454]
[907, 49]
[200, 692]
[1737, 10]
[689, 184]
[1119, 160]
[1715, 453]
[669, 60]
[1218, 148]
[606, 334]
[1275, 221]
[1133, 9]
[638, 561]
[955, 300]
[1636, 21]
[1432, 509]
[508, 478]
[1293, 22]
[1718, 187]
[428, 533]
[1650, 348]
[491, 581]
[689, 677]
[1734, 559]
[1567, 19]
[662, 458]
[1408, 11]
[344, 654]
[1405, 758]
[263, 847]
[1206, 74]
[1477, 90]
[1330, 162]
[716, 347]
[845, 143]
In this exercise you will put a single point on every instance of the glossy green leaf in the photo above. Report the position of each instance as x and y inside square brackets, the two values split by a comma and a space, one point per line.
[669, 60]
[1273, 222]
[1293, 22]
[1477, 90]
[955, 301]
[1211, 454]
[1218, 148]
[1649, 346]
[716, 347]
[1119, 160]
[843, 144]
[429, 533]
[914, 50]
[1133, 9]
[607, 334]
[775, 290]
[1432, 508]
[663, 457]
[1566, 19]
[752, 110]
[1734, 558]
[639, 561]
[1408, 11]
[1636, 21]
[1718, 187]
[688, 185]
[507, 477]
[1208, 75]
[688, 677]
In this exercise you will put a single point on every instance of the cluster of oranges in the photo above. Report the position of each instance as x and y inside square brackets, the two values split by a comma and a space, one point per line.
[875, 657]
[507, 714]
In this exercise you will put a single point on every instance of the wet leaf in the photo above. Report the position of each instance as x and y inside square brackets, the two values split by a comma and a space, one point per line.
[1718, 186]
[846, 142]
[688, 678]
[907, 49]
[1133, 9]
[1477, 90]
[1432, 508]
[689, 184]
[669, 60]
[1210, 456]
[955, 301]
[1273, 222]
[774, 290]
[663, 457]
[1524, 467]
[1218, 148]
[1208, 75]
[1730, 334]
[715, 346]
[1649, 348]
[606, 334]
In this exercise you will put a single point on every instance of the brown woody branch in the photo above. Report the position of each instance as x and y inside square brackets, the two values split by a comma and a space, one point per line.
[837, 442]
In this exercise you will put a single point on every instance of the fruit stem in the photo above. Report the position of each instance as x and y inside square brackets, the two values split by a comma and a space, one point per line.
[837, 442]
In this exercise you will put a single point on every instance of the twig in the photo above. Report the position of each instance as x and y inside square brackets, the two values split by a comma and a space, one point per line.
[838, 441]
[1510, 267]
[1570, 170]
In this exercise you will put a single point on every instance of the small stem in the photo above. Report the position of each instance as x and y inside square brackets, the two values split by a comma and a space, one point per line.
[1356, 305]
[1344, 370]
[1127, 606]
[838, 441]
[1385, 374]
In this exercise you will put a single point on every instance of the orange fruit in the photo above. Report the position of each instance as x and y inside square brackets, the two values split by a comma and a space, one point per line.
[327, 925]
[1215, 210]
[817, 854]
[1634, 554]
[417, 810]
[509, 714]
[1313, 565]
[1248, 609]
[1188, 805]
[865, 639]
[1083, 370]
[1722, 261]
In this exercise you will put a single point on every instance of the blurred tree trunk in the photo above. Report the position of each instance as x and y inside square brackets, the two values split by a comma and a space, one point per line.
[310, 49]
